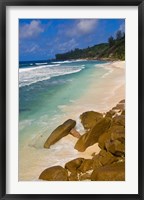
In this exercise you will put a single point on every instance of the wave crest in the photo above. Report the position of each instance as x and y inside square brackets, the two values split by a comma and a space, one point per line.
[28, 76]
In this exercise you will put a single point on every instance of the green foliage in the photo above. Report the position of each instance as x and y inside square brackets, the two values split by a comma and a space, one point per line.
[113, 50]
[119, 35]
[90, 52]
[111, 41]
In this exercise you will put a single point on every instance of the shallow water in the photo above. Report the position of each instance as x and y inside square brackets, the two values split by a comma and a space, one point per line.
[41, 103]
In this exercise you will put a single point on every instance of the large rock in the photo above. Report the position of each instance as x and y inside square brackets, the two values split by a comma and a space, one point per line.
[115, 147]
[103, 158]
[122, 101]
[73, 177]
[103, 138]
[119, 106]
[119, 120]
[85, 177]
[115, 132]
[56, 173]
[113, 172]
[91, 137]
[123, 112]
[110, 113]
[60, 132]
[86, 165]
[73, 165]
[90, 118]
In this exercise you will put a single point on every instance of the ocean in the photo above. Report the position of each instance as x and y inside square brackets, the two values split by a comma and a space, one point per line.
[49, 93]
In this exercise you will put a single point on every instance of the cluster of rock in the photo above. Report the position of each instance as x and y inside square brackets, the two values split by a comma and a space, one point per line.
[108, 130]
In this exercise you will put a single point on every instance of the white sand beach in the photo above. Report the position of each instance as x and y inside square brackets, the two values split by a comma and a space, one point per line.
[101, 97]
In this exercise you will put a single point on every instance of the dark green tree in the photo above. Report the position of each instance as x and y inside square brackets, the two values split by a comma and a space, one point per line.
[119, 35]
[111, 41]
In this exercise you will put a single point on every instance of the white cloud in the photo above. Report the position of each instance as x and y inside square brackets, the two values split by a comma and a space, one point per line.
[70, 44]
[31, 30]
[82, 26]
[122, 27]
[32, 49]
[86, 25]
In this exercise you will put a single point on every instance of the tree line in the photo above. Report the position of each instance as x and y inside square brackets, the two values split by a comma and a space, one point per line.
[113, 49]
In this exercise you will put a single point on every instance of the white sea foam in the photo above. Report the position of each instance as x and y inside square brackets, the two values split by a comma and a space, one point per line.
[102, 65]
[80, 60]
[68, 61]
[62, 106]
[24, 123]
[28, 76]
[41, 63]
[79, 126]
[33, 68]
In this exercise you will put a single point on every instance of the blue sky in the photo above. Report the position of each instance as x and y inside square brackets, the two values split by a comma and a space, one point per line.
[41, 39]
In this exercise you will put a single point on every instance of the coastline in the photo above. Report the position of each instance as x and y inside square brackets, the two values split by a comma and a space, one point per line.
[100, 97]
[103, 95]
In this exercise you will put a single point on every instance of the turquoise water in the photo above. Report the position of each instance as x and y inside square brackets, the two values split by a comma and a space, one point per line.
[45, 88]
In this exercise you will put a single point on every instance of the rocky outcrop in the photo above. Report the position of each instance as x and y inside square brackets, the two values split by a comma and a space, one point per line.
[112, 172]
[117, 133]
[103, 158]
[103, 138]
[60, 132]
[115, 147]
[120, 106]
[110, 113]
[73, 177]
[56, 173]
[122, 101]
[114, 133]
[91, 137]
[85, 176]
[73, 165]
[108, 132]
[86, 165]
[119, 120]
[90, 118]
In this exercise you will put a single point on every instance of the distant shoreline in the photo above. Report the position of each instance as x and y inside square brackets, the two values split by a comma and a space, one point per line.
[87, 59]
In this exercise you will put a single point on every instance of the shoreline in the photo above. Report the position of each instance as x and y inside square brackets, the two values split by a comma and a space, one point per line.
[108, 92]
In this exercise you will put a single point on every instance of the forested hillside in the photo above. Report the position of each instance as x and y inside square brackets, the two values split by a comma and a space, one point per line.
[114, 49]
